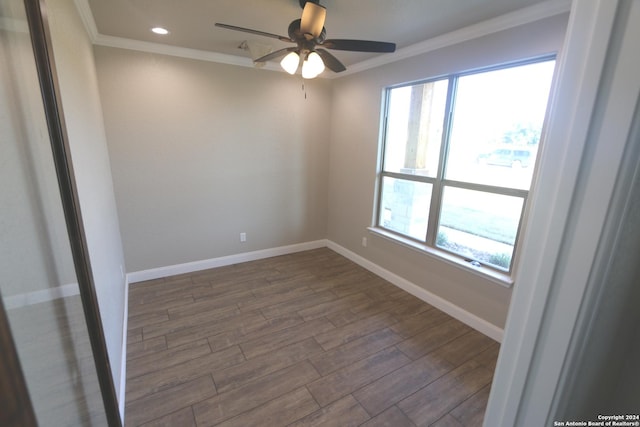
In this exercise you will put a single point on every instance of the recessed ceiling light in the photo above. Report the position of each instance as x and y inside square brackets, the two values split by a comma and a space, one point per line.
[160, 30]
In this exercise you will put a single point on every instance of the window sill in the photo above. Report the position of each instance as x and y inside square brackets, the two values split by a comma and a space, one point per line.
[497, 277]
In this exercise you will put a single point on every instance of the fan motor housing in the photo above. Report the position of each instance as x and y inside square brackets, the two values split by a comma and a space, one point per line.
[296, 35]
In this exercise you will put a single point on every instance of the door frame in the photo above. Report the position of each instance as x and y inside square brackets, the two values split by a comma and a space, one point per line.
[575, 201]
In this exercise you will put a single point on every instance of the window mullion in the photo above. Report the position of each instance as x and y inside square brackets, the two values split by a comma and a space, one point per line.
[486, 188]
[408, 177]
[436, 195]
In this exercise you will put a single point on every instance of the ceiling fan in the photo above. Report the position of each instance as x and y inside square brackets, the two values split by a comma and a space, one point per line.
[309, 35]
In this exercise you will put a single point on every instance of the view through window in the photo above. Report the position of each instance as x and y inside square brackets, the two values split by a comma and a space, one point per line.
[458, 159]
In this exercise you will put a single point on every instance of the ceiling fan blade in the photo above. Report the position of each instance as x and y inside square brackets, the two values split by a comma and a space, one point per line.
[256, 32]
[276, 54]
[313, 17]
[359, 45]
[330, 61]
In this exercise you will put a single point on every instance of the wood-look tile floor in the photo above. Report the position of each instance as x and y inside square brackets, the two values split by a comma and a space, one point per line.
[57, 362]
[306, 339]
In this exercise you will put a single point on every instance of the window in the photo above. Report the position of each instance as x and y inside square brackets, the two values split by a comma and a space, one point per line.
[458, 159]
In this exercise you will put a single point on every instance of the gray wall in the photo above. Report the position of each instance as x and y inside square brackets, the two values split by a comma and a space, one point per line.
[356, 104]
[202, 152]
[73, 54]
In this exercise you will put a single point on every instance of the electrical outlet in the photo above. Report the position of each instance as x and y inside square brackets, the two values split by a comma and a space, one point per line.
[364, 242]
[243, 237]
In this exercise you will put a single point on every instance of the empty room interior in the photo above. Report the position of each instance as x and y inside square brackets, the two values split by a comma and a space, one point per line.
[437, 226]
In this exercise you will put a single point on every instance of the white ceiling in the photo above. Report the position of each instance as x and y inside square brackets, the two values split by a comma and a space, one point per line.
[191, 22]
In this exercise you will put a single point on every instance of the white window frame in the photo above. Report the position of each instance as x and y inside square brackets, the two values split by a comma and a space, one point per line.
[439, 182]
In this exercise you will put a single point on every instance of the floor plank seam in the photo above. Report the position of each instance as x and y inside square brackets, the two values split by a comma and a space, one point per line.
[366, 327]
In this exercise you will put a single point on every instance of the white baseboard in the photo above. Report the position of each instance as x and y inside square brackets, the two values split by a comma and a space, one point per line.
[123, 360]
[190, 267]
[71, 289]
[453, 310]
[43, 295]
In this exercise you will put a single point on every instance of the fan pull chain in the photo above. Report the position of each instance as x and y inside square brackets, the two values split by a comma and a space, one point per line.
[304, 90]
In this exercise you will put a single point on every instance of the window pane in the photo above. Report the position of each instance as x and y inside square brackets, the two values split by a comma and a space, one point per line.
[404, 207]
[414, 128]
[497, 120]
[478, 225]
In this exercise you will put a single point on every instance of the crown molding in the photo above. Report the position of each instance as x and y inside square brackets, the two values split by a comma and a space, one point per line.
[523, 16]
[124, 43]
[181, 52]
[87, 19]
[520, 17]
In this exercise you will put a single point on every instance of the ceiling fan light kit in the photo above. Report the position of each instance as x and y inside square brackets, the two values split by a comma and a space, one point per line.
[290, 62]
[312, 66]
[309, 34]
